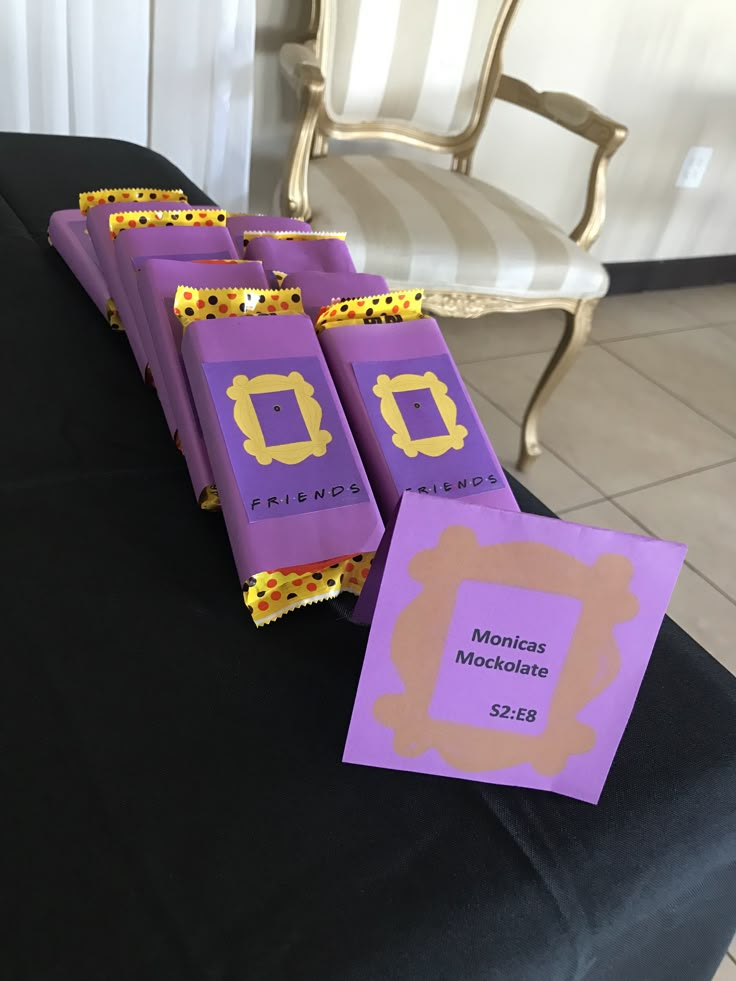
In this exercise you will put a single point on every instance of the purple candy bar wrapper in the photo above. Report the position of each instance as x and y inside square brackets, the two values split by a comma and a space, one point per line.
[173, 242]
[325, 254]
[462, 462]
[157, 283]
[98, 228]
[320, 288]
[317, 520]
[237, 225]
[68, 235]
[507, 648]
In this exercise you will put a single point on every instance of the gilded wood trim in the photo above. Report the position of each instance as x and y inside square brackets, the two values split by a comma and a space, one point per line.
[307, 79]
[448, 303]
[589, 227]
[578, 321]
[314, 18]
[574, 336]
[584, 120]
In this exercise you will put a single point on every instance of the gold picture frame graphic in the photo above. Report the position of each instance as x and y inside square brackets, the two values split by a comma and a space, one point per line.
[246, 417]
[386, 389]
[592, 661]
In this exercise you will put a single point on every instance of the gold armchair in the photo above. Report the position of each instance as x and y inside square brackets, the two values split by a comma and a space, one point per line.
[385, 71]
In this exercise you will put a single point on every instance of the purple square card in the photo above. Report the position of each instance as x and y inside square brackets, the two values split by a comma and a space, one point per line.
[507, 648]
[285, 440]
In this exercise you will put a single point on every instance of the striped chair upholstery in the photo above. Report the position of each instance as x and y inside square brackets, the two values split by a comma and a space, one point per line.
[415, 223]
[417, 61]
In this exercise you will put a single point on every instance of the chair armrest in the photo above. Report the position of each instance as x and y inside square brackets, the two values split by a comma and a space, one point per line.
[566, 110]
[299, 64]
[301, 68]
[584, 120]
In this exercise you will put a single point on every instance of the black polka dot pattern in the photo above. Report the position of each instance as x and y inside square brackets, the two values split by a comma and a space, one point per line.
[191, 303]
[388, 309]
[109, 195]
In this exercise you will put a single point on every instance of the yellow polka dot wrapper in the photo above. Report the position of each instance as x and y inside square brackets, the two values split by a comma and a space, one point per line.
[389, 308]
[127, 195]
[292, 236]
[192, 304]
[113, 316]
[191, 218]
[269, 595]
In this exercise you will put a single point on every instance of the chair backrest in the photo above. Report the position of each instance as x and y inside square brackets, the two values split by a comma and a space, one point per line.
[418, 70]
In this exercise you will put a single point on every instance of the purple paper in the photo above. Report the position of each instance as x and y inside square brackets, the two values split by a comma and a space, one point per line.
[420, 412]
[517, 656]
[277, 488]
[68, 233]
[280, 417]
[289, 256]
[98, 228]
[237, 225]
[158, 282]
[457, 471]
[507, 648]
[135, 244]
[234, 354]
[320, 288]
[364, 357]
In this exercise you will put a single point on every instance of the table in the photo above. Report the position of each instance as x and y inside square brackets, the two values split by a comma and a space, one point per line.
[173, 806]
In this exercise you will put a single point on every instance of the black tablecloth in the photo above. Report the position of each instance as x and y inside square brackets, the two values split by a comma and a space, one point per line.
[174, 805]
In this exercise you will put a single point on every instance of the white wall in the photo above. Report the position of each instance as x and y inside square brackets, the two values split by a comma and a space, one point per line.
[665, 68]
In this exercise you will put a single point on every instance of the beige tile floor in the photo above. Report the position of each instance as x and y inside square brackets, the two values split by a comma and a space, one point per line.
[640, 436]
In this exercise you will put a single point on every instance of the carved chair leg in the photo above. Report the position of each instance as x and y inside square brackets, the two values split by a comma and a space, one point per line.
[575, 334]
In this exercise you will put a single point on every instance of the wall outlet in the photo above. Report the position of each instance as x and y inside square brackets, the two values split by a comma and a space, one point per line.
[694, 166]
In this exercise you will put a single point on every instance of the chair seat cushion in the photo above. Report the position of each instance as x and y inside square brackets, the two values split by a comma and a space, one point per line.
[417, 224]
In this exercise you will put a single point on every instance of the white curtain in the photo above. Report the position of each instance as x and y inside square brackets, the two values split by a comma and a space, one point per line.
[175, 75]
